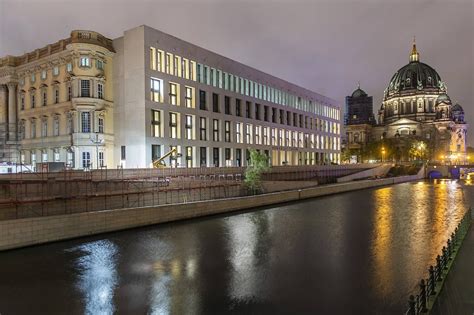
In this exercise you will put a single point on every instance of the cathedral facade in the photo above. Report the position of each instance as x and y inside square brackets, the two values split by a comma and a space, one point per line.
[416, 105]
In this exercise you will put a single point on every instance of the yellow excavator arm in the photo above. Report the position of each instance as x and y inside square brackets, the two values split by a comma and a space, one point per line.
[159, 163]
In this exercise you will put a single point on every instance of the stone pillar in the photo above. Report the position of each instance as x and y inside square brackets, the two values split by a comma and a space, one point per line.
[12, 123]
[3, 103]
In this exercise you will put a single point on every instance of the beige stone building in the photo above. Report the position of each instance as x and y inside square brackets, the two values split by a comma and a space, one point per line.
[56, 103]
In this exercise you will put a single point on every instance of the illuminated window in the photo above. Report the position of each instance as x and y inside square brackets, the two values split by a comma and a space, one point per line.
[168, 64]
[215, 130]
[84, 62]
[173, 124]
[69, 67]
[227, 135]
[248, 133]
[238, 132]
[189, 97]
[189, 127]
[152, 58]
[43, 74]
[155, 123]
[156, 90]
[173, 93]
[176, 66]
[56, 70]
[100, 125]
[159, 60]
[189, 156]
[86, 122]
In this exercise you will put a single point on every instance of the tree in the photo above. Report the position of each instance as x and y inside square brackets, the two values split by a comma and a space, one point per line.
[253, 174]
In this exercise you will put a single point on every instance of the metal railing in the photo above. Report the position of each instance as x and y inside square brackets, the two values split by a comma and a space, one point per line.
[430, 287]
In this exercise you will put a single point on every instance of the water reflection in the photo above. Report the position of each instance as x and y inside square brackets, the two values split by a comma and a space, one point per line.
[97, 276]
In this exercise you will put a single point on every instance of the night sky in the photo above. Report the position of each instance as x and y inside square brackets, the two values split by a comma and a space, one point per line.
[323, 45]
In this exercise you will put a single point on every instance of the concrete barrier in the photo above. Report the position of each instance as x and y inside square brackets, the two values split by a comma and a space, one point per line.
[38, 230]
[380, 170]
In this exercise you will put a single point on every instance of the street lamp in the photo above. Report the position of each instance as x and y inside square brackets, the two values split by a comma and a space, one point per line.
[383, 153]
[97, 142]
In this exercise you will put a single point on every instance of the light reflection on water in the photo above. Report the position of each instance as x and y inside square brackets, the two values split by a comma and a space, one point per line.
[97, 277]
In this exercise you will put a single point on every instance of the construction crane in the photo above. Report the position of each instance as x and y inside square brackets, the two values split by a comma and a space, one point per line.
[160, 163]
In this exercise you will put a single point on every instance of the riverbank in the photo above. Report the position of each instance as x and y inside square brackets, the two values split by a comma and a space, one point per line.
[31, 231]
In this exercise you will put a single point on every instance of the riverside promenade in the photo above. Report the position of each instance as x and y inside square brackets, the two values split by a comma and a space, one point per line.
[457, 296]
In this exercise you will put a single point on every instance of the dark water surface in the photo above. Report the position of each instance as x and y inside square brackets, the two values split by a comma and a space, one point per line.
[361, 252]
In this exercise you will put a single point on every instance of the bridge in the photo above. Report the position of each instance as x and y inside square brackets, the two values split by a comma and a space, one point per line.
[449, 171]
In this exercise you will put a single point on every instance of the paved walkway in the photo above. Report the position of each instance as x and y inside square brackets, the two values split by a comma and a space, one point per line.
[457, 295]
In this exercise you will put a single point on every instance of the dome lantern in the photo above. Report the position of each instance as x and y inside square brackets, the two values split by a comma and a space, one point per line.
[414, 56]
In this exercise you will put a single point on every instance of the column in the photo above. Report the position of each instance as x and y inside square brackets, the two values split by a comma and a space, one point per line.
[3, 103]
[12, 123]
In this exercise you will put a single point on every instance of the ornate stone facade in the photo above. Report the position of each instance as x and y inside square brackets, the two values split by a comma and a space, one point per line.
[56, 103]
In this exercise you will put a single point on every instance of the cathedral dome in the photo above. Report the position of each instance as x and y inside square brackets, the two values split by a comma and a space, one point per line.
[415, 76]
[358, 93]
[444, 98]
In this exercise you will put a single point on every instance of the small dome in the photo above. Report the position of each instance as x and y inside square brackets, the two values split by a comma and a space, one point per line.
[443, 98]
[358, 93]
[457, 108]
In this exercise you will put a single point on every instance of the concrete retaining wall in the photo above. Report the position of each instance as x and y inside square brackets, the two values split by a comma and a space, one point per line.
[31, 231]
[381, 170]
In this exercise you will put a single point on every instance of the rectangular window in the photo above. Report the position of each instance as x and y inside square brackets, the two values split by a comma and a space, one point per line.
[69, 67]
[258, 135]
[101, 159]
[22, 101]
[153, 58]
[189, 156]
[86, 159]
[43, 75]
[215, 156]
[274, 142]
[86, 122]
[238, 107]
[227, 105]
[156, 90]
[56, 126]
[174, 93]
[238, 132]
[100, 124]
[56, 70]
[257, 111]
[247, 110]
[265, 113]
[203, 156]
[202, 100]
[44, 128]
[249, 134]
[265, 135]
[203, 129]
[85, 88]
[99, 64]
[173, 123]
[227, 135]
[33, 129]
[56, 95]
[122, 153]
[176, 65]
[155, 152]
[168, 63]
[155, 123]
[69, 92]
[189, 97]
[274, 115]
[238, 157]
[215, 130]
[189, 127]
[33, 78]
[215, 103]
[45, 97]
[85, 62]
[100, 90]
[159, 60]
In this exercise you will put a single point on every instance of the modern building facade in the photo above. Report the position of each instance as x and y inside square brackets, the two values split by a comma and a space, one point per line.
[90, 102]
[171, 94]
[56, 103]
[416, 105]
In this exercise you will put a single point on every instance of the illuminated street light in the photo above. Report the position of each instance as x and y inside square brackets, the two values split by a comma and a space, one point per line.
[383, 153]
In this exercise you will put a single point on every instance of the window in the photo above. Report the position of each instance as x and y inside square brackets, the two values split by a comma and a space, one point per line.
[173, 125]
[33, 129]
[56, 70]
[238, 107]
[238, 157]
[44, 156]
[56, 95]
[184, 63]
[215, 156]
[69, 67]
[86, 122]
[155, 123]
[122, 153]
[202, 129]
[22, 101]
[85, 88]
[274, 114]
[173, 156]
[100, 90]
[33, 78]
[84, 62]
[282, 116]
[274, 142]
[248, 134]
[56, 126]
[189, 156]
[153, 58]
[100, 125]
[86, 159]
[215, 130]
[159, 60]
[227, 131]
[227, 105]
[44, 99]
[238, 132]
[189, 97]
[203, 156]
[99, 64]
[43, 75]
[265, 113]
[155, 90]
[69, 92]
[189, 127]
[265, 136]
[227, 156]
[168, 64]
[257, 111]
[215, 103]
[174, 91]
[258, 133]
[44, 128]
[101, 159]
[155, 152]
[247, 110]
[202, 100]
